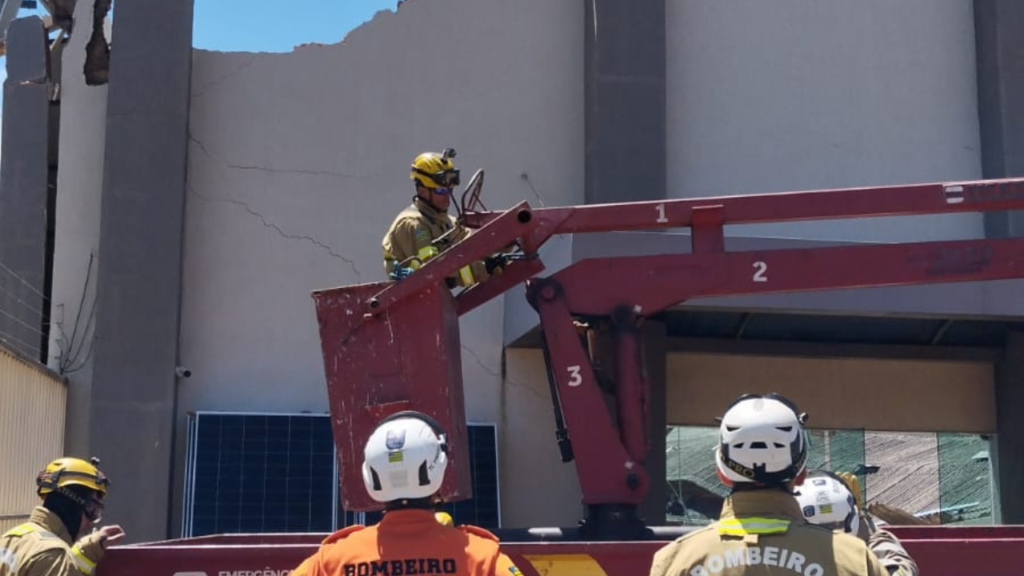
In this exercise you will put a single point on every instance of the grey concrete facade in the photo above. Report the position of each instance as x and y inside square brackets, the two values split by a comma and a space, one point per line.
[24, 176]
[81, 149]
[1000, 53]
[624, 160]
[1009, 399]
[624, 100]
[139, 281]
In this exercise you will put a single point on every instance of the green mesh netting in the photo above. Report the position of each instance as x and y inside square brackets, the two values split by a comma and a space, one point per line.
[941, 478]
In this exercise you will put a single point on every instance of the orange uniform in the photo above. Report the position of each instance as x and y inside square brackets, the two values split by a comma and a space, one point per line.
[408, 542]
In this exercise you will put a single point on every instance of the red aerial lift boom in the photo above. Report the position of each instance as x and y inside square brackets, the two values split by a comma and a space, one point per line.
[391, 346]
[624, 290]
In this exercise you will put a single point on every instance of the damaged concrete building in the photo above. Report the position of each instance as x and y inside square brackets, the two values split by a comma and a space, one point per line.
[176, 207]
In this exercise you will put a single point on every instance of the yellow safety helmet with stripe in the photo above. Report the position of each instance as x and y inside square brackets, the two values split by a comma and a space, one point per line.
[64, 472]
[435, 170]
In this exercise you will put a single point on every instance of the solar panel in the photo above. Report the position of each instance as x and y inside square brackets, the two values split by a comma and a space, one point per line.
[483, 509]
[253, 473]
[260, 473]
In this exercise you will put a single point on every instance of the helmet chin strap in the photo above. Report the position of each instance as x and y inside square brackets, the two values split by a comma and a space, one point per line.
[429, 203]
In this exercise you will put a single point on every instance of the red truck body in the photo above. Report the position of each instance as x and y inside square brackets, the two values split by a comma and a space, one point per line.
[939, 551]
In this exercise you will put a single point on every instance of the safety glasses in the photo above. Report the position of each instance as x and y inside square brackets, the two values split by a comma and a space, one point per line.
[441, 191]
[446, 179]
[443, 179]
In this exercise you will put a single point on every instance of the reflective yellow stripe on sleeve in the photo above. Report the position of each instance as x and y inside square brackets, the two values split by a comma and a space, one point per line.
[744, 526]
[83, 562]
[426, 253]
[466, 275]
[20, 530]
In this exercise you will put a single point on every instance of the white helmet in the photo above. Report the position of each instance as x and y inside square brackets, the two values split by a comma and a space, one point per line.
[761, 439]
[826, 501]
[405, 458]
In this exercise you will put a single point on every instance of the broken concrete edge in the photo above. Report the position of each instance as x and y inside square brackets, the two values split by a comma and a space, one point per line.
[97, 49]
[248, 57]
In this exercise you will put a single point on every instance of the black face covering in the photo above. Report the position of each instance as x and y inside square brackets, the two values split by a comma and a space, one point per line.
[70, 504]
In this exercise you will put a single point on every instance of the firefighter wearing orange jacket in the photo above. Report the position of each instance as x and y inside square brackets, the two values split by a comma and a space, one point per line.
[72, 491]
[762, 532]
[404, 464]
[425, 229]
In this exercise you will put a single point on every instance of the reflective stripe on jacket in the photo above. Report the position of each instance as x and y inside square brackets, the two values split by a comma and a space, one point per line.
[411, 241]
[763, 533]
[43, 547]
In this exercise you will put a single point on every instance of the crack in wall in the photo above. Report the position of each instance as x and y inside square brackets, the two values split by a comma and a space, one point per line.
[202, 91]
[268, 224]
[199, 144]
[526, 178]
[499, 376]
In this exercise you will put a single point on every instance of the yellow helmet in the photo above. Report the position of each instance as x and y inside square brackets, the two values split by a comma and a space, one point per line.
[71, 472]
[434, 170]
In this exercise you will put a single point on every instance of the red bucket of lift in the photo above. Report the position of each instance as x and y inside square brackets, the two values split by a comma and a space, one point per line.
[405, 358]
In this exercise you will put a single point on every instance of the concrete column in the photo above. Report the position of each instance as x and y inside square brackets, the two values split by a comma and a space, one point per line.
[624, 100]
[139, 274]
[655, 342]
[1000, 55]
[24, 174]
[1009, 466]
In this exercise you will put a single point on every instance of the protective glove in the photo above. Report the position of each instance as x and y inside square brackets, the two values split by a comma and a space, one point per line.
[853, 485]
[401, 273]
[495, 264]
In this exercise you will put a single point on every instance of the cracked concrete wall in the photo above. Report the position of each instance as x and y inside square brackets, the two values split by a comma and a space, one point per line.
[785, 95]
[80, 182]
[298, 162]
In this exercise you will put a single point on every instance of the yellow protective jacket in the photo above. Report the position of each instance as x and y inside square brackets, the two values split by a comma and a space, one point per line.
[408, 543]
[43, 547]
[763, 533]
[413, 239]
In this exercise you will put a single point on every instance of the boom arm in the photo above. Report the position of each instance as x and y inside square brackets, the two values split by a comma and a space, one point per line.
[706, 217]
[609, 459]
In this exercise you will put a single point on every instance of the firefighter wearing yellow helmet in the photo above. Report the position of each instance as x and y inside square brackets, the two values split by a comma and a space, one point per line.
[57, 540]
[425, 229]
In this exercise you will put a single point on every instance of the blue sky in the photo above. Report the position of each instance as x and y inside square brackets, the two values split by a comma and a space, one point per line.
[260, 25]
[264, 26]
